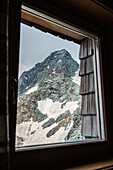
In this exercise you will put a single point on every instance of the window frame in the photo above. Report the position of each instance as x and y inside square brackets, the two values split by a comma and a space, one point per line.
[42, 22]
[53, 152]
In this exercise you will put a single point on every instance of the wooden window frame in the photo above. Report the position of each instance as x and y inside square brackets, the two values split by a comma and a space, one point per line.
[41, 21]
[46, 157]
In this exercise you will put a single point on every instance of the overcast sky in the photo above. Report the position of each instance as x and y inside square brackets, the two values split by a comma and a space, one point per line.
[36, 45]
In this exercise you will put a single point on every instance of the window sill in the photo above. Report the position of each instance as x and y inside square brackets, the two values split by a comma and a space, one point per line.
[106, 164]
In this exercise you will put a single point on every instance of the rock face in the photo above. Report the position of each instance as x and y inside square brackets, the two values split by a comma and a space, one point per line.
[49, 103]
[59, 62]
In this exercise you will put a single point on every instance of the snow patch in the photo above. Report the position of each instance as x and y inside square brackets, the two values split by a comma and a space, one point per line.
[25, 129]
[25, 77]
[53, 109]
[33, 132]
[59, 61]
[76, 78]
[32, 89]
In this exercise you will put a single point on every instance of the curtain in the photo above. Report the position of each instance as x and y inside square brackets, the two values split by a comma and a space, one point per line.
[87, 89]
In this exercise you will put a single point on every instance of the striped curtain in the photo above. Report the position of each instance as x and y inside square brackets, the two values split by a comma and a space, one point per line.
[87, 89]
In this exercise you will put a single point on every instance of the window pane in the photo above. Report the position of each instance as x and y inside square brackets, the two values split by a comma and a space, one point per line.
[49, 103]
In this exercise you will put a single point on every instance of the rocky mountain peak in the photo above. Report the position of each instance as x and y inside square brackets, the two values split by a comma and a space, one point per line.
[62, 53]
[58, 62]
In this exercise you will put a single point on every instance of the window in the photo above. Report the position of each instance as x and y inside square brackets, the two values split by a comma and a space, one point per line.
[60, 154]
[59, 86]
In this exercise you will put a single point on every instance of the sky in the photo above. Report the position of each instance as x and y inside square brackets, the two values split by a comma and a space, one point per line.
[36, 45]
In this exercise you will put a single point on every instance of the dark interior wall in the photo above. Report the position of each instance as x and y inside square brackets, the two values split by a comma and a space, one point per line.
[3, 73]
[107, 63]
[107, 53]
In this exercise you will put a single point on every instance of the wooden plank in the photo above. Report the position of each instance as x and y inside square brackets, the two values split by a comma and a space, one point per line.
[87, 84]
[88, 104]
[89, 127]
[89, 65]
[91, 106]
[86, 66]
[83, 49]
[86, 48]
[84, 105]
[90, 47]
[50, 25]
[82, 67]
[94, 132]
[84, 89]
[86, 126]
[91, 85]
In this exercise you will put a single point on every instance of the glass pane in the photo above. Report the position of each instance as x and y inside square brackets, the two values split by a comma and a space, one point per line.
[48, 103]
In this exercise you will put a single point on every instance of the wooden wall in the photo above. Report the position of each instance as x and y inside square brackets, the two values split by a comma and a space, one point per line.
[3, 80]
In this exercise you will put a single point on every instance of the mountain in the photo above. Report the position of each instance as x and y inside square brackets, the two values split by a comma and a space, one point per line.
[49, 104]
[59, 62]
